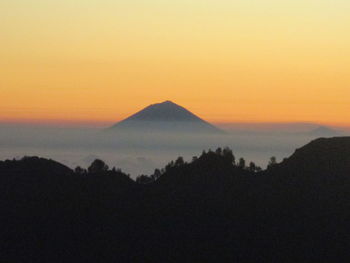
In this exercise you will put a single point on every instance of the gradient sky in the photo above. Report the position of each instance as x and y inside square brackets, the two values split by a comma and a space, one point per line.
[226, 60]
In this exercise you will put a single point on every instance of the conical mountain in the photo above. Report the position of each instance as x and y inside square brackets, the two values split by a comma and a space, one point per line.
[165, 117]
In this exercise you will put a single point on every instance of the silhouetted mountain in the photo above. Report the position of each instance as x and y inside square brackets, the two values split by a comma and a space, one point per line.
[212, 209]
[165, 117]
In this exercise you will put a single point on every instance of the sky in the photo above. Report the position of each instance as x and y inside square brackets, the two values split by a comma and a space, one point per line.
[99, 61]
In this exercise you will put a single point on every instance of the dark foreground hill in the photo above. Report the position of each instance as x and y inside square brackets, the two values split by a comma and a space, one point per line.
[211, 209]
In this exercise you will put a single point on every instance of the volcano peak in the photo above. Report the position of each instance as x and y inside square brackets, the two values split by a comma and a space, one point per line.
[166, 116]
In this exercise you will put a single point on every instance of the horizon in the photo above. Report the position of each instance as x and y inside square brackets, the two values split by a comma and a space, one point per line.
[98, 123]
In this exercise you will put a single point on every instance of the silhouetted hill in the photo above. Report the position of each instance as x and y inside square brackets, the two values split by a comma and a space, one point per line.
[212, 209]
[324, 156]
[165, 117]
[315, 177]
[33, 175]
[33, 165]
[207, 171]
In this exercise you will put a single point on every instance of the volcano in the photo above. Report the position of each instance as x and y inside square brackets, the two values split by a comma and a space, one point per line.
[165, 117]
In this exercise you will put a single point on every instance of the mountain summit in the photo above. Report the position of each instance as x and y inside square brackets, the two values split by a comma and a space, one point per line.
[165, 117]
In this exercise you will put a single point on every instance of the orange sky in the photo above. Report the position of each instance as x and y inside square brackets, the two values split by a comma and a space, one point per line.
[227, 61]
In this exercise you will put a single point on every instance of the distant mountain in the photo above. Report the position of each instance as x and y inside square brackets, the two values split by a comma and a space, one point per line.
[323, 131]
[165, 117]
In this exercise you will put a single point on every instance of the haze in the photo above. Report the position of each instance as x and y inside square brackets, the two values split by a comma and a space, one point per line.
[139, 153]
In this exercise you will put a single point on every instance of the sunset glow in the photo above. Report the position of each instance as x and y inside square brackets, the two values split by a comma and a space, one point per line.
[99, 61]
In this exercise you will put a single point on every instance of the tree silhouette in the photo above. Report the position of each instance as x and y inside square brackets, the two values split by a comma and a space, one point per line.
[179, 161]
[252, 167]
[169, 166]
[218, 151]
[228, 155]
[272, 162]
[157, 173]
[98, 166]
[241, 163]
[79, 170]
[144, 179]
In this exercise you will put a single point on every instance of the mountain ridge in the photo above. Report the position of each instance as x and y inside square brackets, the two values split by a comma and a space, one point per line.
[211, 209]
